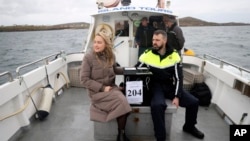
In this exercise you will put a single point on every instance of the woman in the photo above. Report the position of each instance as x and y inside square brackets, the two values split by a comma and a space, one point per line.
[98, 76]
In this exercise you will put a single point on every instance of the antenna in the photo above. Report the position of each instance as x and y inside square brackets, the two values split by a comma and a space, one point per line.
[161, 3]
[168, 3]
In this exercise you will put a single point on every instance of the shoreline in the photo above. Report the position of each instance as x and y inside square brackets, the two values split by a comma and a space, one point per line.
[184, 22]
[17, 28]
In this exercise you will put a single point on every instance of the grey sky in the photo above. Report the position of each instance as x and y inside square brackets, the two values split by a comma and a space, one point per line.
[49, 12]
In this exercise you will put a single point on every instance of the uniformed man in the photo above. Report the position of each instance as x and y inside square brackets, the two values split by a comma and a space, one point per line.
[167, 82]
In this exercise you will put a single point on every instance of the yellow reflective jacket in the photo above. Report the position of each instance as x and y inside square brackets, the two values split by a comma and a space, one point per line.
[166, 69]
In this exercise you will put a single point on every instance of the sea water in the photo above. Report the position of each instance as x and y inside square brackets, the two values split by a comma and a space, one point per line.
[18, 48]
[230, 43]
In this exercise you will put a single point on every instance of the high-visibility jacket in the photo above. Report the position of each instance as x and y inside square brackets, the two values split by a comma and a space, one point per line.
[166, 69]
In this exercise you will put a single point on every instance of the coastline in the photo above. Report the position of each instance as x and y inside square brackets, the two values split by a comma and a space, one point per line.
[191, 21]
[78, 25]
[184, 22]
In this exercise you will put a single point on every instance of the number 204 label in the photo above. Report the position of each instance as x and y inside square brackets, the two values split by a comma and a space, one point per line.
[134, 92]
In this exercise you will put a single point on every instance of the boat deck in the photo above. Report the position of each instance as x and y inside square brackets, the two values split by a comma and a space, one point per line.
[69, 120]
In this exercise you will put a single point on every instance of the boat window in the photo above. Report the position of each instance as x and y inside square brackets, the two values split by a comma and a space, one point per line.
[157, 22]
[122, 28]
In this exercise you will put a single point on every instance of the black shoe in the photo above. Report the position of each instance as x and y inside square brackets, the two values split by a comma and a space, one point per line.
[122, 136]
[194, 131]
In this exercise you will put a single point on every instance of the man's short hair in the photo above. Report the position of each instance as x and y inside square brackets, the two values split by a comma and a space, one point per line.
[169, 18]
[144, 18]
[162, 32]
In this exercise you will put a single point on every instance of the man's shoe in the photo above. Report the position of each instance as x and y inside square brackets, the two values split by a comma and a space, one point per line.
[194, 131]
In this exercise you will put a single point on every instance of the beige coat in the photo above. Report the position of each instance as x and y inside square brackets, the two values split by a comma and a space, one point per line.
[105, 106]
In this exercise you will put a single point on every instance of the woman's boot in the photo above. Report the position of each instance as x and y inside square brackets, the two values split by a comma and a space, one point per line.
[122, 136]
[121, 121]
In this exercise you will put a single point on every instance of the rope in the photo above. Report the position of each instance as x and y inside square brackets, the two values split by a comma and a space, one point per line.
[147, 82]
[27, 101]
[66, 81]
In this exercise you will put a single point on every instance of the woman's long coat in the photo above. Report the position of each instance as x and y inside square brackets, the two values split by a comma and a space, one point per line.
[105, 106]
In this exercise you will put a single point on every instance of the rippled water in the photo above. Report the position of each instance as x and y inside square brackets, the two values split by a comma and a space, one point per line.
[18, 48]
[230, 43]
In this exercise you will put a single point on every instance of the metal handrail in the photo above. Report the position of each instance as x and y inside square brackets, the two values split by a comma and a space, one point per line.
[222, 62]
[39, 60]
[82, 52]
[9, 75]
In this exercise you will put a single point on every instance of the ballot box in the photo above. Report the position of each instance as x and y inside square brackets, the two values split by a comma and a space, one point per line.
[137, 86]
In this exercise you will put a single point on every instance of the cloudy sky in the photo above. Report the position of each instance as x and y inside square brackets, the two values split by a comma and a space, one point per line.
[49, 12]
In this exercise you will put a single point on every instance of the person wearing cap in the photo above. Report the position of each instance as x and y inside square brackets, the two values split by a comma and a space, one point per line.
[143, 36]
[173, 29]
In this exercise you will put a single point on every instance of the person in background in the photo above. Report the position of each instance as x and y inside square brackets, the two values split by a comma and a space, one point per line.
[166, 82]
[175, 35]
[98, 73]
[143, 36]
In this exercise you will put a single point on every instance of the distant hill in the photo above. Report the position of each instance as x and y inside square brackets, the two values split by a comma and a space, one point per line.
[190, 21]
[186, 21]
[78, 25]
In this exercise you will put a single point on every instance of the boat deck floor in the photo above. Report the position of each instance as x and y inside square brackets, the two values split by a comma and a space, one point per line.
[69, 121]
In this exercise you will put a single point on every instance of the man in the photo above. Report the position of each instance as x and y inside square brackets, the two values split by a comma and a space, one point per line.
[166, 82]
[143, 36]
[175, 34]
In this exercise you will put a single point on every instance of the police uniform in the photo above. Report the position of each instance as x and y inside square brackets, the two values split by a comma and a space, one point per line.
[167, 82]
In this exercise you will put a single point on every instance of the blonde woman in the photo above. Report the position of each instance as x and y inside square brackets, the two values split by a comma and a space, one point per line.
[98, 76]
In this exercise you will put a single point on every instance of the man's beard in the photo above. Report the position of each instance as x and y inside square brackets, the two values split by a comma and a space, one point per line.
[157, 48]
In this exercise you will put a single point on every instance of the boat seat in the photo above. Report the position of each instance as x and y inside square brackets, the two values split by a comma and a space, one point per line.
[139, 124]
[187, 85]
[74, 76]
[191, 77]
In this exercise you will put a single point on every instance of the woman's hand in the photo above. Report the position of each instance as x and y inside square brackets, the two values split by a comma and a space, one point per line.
[107, 88]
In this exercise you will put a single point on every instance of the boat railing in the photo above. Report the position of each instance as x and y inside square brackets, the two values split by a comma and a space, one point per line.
[44, 59]
[222, 62]
[9, 75]
[81, 52]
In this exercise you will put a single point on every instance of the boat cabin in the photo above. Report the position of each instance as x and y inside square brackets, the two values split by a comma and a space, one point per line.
[125, 21]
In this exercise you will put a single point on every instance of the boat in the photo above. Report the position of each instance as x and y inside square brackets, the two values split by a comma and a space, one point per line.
[48, 102]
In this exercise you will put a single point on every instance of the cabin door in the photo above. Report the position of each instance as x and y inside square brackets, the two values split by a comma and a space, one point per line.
[126, 54]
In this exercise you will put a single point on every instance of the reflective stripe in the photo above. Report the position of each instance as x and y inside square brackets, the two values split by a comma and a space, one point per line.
[153, 60]
[178, 80]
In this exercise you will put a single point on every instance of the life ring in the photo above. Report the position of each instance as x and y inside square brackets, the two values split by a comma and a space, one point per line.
[108, 3]
[106, 29]
[137, 23]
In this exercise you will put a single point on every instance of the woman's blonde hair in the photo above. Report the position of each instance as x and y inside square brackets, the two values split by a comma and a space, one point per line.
[106, 32]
